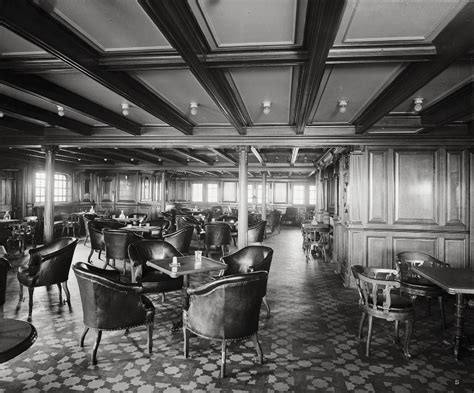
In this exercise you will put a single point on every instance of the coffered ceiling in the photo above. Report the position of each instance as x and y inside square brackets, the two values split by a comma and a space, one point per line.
[306, 58]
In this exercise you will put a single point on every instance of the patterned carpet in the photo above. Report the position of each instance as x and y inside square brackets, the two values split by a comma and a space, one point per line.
[309, 343]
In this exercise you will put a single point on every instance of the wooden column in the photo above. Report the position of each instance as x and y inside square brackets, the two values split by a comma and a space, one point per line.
[163, 192]
[49, 193]
[264, 196]
[471, 211]
[243, 202]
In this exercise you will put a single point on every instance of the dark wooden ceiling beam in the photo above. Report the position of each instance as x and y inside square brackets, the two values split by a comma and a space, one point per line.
[453, 42]
[455, 106]
[14, 106]
[223, 155]
[176, 21]
[108, 156]
[13, 123]
[322, 22]
[80, 155]
[45, 89]
[186, 153]
[294, 155]
[257, 155]
[40, 154]
[37, 26]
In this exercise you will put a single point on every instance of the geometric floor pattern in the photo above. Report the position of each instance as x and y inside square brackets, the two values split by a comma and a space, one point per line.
[309, 343]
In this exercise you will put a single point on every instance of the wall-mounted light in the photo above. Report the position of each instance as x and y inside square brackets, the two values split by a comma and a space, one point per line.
[266, 107]
[193, 106]
[60, 110]
[125, 109]
[276, 158]
[418, 104]
[105, 159]
[342, 104]
[1, 114]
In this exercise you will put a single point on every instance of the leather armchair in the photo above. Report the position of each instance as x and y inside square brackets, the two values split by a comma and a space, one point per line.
[256, 233]
[47, 265]
[116, 246]
[97, 237]
[249, 259]
[86, 218]
[227, 310]
[181, 239]
[217, 234]
[274, 220]
[104, 300]
[151, 279]
[4, 267]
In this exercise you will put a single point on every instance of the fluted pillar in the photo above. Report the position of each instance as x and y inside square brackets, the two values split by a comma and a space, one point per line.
[243, 202]
[163, 192]
[48, 215]
[264, 195]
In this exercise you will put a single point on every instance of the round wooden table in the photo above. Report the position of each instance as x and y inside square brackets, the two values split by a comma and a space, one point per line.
[16, 337]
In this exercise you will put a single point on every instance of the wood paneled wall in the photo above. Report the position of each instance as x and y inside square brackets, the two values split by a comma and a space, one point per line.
[406, 199]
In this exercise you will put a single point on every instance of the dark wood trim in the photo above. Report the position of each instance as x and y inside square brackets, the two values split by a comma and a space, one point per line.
[453, 42]
[37, 26]
[12, 105]
[455, 106]
[177, 23]
[13, 123]
[58, 95]
[322, 22]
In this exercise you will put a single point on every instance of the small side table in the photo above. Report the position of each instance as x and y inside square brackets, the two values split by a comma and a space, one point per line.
[17, 337]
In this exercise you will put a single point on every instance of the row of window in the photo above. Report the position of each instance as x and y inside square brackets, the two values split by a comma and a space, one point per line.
[254, 193]
[61, 187]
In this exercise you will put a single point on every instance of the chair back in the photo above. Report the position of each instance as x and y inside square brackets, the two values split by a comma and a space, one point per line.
[180, 239]
[375, 286]
[149, 249]
[51, 263]
[104, 300]
[228, 308]
[408, 259]
[217, 234]
[117, 242]
[4, 267]
[256, 232]
[162, 222]
[250, 258]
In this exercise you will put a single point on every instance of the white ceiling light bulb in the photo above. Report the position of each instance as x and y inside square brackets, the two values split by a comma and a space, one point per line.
[60, 110]
[342, 106]
[418, 104]
[193, 108]
[125, 109]
[266, 107]
[1, 114]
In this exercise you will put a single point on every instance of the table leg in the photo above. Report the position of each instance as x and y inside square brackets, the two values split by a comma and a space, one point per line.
[459, 314]
[177, 326]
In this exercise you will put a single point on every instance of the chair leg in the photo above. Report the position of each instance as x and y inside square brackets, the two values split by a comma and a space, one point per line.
[409, 329]
[186, 335]
[361, 325]
[30, 303]
[441, 307]
[163, 297]
[258, 348]
[90, 255]
[150, 338]
[60, 293]
[106, 263]
[369, 336]
[83, 337]
[396, 339]
[21, 293]
[223, 250]
[100, 253]
[223, 353]
[96, 347]
[66, 291]
[265, 302]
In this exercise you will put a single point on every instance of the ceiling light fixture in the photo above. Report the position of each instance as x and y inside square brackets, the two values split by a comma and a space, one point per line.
[1, 114]
[418, 104]
[193, 108]
[125, 109]
[60, 110]
[342, 106]
[266, 107]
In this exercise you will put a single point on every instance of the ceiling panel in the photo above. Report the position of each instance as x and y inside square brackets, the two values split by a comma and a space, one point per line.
[389, 21]
[44, 104]
[111, 25]
[448, 80]
[218, 21]
[357, 84]
[180, 88]
[257, 85]
[80, 84]
[14, 45]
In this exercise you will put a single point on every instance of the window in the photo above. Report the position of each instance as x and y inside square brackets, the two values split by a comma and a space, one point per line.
[229, 192]
[298, 194]
[259, 193]
[196, 192]
[61, 187]
[312, 195]
[212, 192]
[250, 193]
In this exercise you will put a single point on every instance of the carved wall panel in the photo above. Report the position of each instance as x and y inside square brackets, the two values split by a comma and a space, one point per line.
[378, 187]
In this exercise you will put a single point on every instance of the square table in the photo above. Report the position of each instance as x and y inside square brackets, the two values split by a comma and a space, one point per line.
[142, 229]
[457, 282]
[187, 265]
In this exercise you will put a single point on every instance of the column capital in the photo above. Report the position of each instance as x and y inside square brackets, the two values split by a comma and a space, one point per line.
[243, 148]
[50, 148]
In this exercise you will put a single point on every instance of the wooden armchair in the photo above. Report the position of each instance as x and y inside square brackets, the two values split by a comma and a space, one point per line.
[379, 297]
